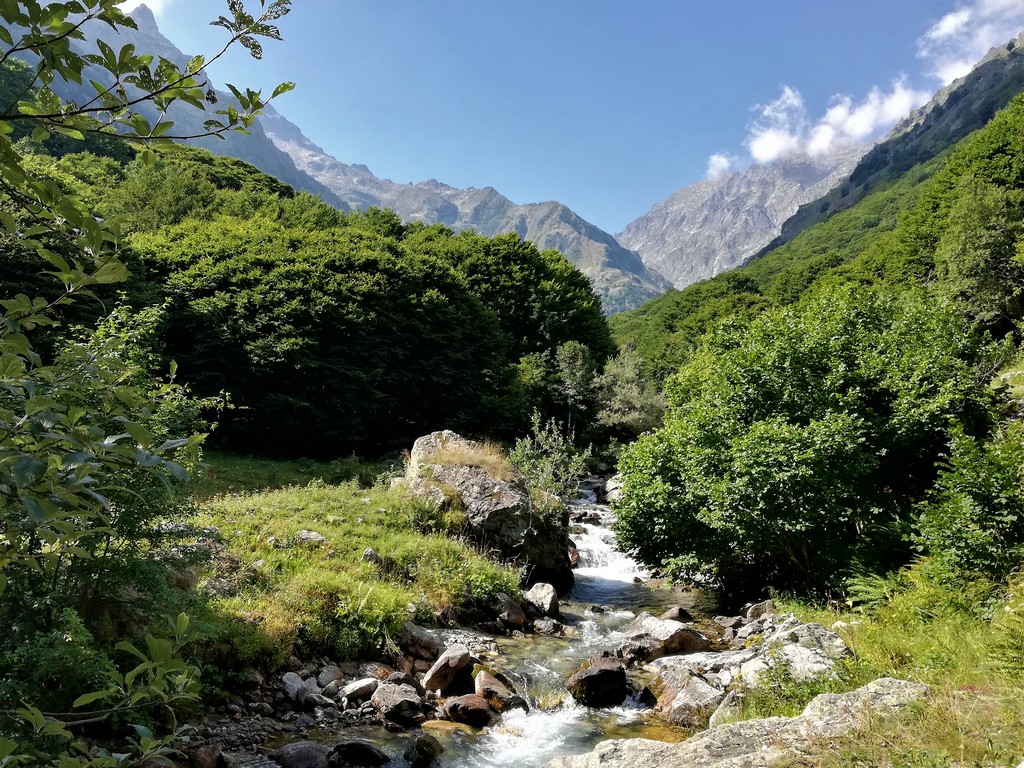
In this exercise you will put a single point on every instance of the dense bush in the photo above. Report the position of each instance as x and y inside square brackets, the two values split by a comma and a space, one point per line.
[796, 445]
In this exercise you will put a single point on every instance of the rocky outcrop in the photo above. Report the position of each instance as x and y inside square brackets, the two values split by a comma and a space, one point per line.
[649, 637]
[758, 743]
[499, 513]
[444, 676]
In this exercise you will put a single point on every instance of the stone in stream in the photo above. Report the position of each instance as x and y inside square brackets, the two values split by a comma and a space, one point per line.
[601, 682]
[544, 598]
[398, 703]
[357, 753]
[758, 743]
[292, 684]
[301, 754]
[499, 694]
[359, 690]
[470, 709]
[445, 676]
[422, 751]
[648, 638]
[510, 613]
[328, 675]
[684, 698]
[677, 613]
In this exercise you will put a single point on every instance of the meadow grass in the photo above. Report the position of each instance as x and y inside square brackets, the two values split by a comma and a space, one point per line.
[944, 638]
[285, 595]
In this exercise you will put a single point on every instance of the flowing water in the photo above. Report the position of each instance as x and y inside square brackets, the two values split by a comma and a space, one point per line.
[610, 590]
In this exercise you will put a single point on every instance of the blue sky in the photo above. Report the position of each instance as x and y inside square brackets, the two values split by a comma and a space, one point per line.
[608, 106]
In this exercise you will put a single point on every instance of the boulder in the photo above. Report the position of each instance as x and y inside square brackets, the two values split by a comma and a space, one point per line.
[499, 513]
[397, 703]
[419, 642]
[729, 711]
[684, 698]
[292, 685]
[329, 674]
[543, 597]
[470, 709]
[208, 756]
[601, 682]
[648, 638]
[676, 613]
[758, 743]
[499, 694]
[301, 754]
[422, 751]
[309, 689]
[357, 753]
[511, 614]
[548, 627]
[359, 690]
[446, 669]
[757, 610]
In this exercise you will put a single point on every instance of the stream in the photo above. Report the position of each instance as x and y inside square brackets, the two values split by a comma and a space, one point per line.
[610, 590]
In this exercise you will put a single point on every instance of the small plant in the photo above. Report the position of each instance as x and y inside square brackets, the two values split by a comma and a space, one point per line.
[549, 460]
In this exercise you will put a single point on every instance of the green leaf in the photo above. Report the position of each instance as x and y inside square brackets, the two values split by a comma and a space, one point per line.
[89, 698]
[28, 470]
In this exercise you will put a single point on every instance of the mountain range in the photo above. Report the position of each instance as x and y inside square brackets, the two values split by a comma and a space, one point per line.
[699, 231]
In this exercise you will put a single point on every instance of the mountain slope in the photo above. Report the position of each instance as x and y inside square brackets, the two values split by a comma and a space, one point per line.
[964, 106]
[715, 225]
[620, 277]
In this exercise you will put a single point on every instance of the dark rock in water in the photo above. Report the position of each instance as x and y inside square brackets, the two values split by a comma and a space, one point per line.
[301, 754]
[422, 751]
[357, 753]
[600, 683]
[471, 710]
[404, 678]
[511, 614]
[547, 627]
[398, 703]
[677, 613]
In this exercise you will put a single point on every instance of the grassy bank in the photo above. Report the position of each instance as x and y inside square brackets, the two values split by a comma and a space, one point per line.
[967, 645]
[291, 572]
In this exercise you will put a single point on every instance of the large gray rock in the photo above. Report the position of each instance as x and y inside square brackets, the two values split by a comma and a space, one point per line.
[601, 682]
[292, 685]
[757, 743]
[543, 597]
[446, 669]
[648, 637]
[398, 703]
[361, 689]
[499, 694]
[807, 650]
[357, 753]
[499, 513]
[685, 698]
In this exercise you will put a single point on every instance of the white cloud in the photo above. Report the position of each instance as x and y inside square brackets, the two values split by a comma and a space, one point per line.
[783, 128]
[720, 164]
[954, 44]
[156, 6]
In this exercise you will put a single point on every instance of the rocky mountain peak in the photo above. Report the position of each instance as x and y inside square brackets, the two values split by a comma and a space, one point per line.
[718, 223]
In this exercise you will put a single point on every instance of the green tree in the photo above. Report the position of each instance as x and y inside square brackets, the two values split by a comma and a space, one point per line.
[629, 403]
[796, 446]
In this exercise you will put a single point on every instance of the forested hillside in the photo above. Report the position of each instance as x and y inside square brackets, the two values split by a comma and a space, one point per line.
[821, 390]
[327, 331]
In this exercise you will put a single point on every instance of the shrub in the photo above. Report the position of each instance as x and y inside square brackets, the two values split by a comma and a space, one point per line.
[549, 460]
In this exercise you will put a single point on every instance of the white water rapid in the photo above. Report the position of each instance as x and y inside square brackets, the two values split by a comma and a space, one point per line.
[609, 591]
